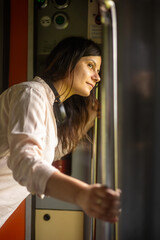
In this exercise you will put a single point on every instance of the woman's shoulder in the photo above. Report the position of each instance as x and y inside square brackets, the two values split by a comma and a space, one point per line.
[37, 84]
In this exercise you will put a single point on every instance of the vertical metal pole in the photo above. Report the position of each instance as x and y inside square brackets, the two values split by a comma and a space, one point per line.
[28, 226]
[93, 178]
[109, 97]
[109, 109]
[28, 216]
[115, 90]
[107, 136]
[115, 99]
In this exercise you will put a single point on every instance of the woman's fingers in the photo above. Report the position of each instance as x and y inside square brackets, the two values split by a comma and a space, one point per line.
[104, 216]
[103, 203]
[108, 208]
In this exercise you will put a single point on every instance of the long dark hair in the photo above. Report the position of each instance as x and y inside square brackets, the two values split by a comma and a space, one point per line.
[61, 64]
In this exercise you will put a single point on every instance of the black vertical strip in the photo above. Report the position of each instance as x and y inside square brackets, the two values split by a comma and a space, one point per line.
[6, 43]
[33, 220]
[154, 205]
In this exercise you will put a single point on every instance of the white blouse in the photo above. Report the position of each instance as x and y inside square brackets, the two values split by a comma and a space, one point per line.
[28, 138]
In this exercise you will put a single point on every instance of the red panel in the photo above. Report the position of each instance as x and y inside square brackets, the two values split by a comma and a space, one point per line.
[18, 41]
[14, 228]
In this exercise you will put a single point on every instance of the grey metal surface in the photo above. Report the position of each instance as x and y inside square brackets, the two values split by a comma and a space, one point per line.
[108, 129]
[29, 216]
[49, 36]
[51, 203]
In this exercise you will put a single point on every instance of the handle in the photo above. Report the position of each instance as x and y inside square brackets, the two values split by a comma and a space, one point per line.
[109, 98]
[109, 106]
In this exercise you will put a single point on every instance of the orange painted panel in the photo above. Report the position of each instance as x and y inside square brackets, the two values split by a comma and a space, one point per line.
[14, 228]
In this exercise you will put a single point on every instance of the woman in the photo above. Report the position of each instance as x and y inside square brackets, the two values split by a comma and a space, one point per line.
[30, 139]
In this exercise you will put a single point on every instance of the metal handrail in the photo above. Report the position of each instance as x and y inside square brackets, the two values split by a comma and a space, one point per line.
[109, 105]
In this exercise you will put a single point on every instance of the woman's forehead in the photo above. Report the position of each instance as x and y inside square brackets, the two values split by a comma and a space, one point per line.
[95, 59]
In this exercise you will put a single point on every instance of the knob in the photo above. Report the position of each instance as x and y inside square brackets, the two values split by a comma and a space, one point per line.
[46, 217]
[60, 4]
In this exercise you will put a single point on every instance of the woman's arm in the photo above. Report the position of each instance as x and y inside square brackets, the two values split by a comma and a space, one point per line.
[96, 200]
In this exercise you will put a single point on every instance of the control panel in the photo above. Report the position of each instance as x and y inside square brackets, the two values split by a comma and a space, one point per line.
[57, 19]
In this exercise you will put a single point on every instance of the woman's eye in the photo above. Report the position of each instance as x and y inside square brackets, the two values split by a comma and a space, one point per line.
[90, 65]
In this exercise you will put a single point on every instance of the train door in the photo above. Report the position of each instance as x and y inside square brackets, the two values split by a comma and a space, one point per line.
[54, 20]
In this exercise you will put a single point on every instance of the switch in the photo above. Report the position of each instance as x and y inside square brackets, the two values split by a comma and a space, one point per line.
[60, 20]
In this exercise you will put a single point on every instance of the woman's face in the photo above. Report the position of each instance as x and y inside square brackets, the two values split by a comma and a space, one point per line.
[86, 75]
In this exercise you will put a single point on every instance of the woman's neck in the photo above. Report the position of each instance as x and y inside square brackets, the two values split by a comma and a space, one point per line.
[63, 89]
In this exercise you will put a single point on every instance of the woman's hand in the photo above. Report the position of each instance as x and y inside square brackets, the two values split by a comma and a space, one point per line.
[93, 112]
[95, 200]
[100, 202]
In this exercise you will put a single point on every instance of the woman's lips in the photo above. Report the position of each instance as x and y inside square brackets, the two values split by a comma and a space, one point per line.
[90, 84]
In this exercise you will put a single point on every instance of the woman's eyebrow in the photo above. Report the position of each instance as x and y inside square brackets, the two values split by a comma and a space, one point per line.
[95, 64]
[90, 59]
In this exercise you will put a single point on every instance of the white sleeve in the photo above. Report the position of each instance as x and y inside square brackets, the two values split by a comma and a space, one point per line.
[26, 133]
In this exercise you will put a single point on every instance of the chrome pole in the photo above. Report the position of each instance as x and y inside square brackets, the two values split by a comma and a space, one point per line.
[28, 218]
[109, 105]
[109, 97]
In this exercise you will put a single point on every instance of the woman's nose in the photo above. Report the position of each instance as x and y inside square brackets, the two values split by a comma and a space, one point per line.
[96, 77]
